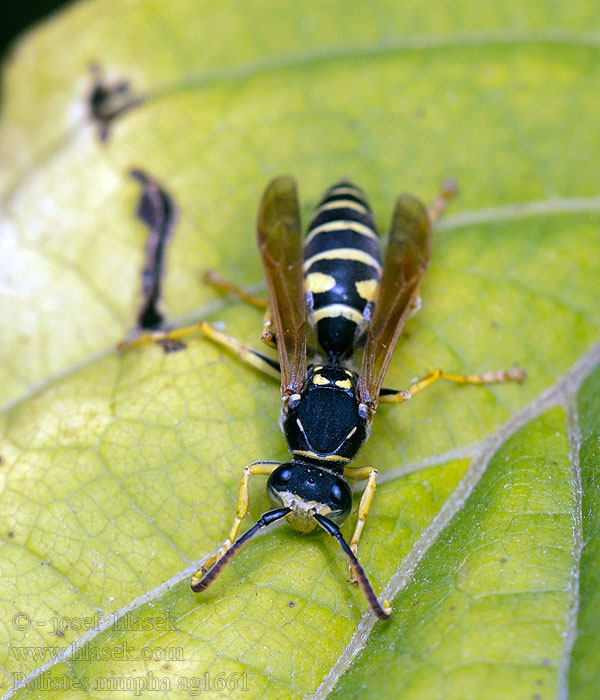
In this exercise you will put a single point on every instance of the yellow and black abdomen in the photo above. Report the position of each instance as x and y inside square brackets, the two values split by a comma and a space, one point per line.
[342, 267]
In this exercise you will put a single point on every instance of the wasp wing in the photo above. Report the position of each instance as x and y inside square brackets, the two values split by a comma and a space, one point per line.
[279, 242]
[406, 260]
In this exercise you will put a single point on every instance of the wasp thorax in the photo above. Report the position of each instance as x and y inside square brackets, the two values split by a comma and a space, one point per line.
[323, 423]
[308, 490]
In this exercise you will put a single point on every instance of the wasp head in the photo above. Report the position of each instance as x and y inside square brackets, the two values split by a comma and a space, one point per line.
[309, 491]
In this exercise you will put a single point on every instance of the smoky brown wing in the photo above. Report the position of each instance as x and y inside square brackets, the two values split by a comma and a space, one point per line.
[406, 260]
[280, 245]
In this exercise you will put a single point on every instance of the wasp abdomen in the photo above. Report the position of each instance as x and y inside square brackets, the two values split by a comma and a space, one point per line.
[342, 267]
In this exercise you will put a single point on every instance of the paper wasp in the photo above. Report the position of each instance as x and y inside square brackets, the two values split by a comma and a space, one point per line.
[335, 313]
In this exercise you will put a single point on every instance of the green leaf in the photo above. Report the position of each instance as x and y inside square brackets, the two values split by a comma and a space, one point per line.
[495, 585]
[120, 471]
[585, 670]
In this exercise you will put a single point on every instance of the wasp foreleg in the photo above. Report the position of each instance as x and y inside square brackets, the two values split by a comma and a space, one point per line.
[241, 509]
[369, 473]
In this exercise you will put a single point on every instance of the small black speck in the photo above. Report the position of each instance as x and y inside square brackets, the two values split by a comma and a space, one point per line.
[60, 633]
[108, 101]
[503, 560]
[11, 533]
[171, 345]
[291, 604]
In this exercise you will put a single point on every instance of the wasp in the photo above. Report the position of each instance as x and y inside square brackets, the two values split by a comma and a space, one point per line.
[335, 312]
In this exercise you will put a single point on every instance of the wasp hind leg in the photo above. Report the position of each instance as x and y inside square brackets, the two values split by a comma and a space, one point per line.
[264, 468]
[517, 374]
[448, 189]
[248, 355]
[215, 280]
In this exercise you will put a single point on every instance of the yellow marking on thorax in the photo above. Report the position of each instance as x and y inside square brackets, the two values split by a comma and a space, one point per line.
[320, 380]
[335, 310]
[321, 458]
[343, 254]
[341, 225]
[340, 204]
[318, 282]
[367, 289]
[344, 384]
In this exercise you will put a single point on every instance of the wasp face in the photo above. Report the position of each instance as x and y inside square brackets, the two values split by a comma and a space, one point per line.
[323, 424]
[308, 490]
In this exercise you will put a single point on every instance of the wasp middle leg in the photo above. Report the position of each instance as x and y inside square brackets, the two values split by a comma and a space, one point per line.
[516, 374]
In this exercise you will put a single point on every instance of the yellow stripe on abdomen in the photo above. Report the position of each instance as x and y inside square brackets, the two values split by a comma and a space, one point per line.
[336, 311]
[341, 225]
[343, 254]
[339, 204]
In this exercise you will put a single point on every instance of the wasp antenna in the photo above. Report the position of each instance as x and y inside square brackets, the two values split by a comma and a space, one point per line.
[381, 611]
[200, 584]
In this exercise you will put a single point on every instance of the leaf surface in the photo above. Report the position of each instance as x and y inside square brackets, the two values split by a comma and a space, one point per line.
[120, 472]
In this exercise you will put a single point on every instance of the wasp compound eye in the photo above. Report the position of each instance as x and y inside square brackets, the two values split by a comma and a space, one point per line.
[278, 483]
[338, 496]
[340, 501]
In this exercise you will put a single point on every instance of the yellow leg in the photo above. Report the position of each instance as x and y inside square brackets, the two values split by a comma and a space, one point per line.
[241, 509]
[369, 473]
[267, 336]
[213, 278]
[388, 396]
[439, 204]
[252, 357]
